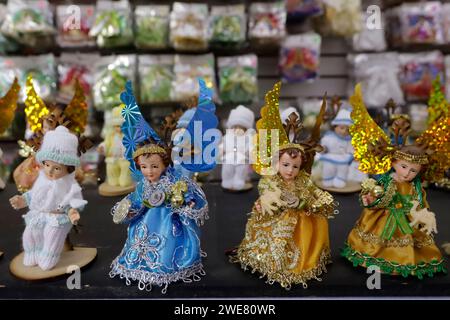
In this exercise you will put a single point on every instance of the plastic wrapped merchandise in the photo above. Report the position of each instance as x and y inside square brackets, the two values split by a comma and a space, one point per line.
[447, 78]
[418, 70]
[156, 77]
[8, 71]
[378, 74]
[370, 38]
[152, 26]
[421, 22]
[267, 23]
[74, 32]
[228, 26]
[418, 113]
[187, 69]
[189, 26]
[299, 57]
[301, 9]
[238, 81]
[30, 23]
[72, 67]
[110, 77]
[113, 24]
[6, 44]
[446, 21]
[341, 18]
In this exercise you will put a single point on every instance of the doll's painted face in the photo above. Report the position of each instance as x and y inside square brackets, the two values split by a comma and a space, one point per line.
[152, 166]
[289, 167]
[54, 170]
[405, 171]
[341, 130]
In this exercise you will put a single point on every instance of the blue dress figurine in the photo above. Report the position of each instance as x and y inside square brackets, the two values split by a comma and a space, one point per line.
[167, 208]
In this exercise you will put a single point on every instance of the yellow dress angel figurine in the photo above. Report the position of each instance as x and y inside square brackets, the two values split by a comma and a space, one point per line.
[286, 237]
[394, 231]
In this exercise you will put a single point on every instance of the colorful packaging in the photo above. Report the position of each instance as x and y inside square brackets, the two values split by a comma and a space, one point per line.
[341, 18]
[156, 76]
[370, 38]
[227, 26]
[301, 9]
[189, 26]
[74, 32]
[267, 23]
[152, 26]
[238, 78]
[299, 57]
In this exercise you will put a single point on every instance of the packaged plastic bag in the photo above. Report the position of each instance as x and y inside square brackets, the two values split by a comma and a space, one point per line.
[113, 24]
[301, 9]
[156, 77]
[299, 57]
[228, 26]
[6, 44]
[341, 18]
[267, 23]
[187, 69]
[418, 70]
[446, 21]
[30, 23]
[238, 81]
[110, 77]
[189, 26]
[418, 113]
[369, 39]
[421, 22]
[75, 32]
[152, 26]
[378, 74]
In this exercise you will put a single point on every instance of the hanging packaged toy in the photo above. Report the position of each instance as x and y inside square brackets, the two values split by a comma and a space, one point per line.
[377, 72]
[74, 32]
[299, 57]
[156, 77]
[228, 26]
[238, 78]
[111, 75]
[267, 23]
[113, 24]
[301, 9]
[187, 69]
[189, 26]
[418, 71]
[152, 26]
[371, 38]
[341, 18]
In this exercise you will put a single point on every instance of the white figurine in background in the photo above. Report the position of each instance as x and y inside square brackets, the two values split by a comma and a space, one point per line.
[236, 149]
[338, 151]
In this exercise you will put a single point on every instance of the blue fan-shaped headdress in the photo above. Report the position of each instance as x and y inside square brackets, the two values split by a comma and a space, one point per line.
[136, 131]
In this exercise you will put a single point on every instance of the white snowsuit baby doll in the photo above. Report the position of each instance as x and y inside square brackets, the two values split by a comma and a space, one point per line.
[236, 148]
[338, 153]
[53, 201]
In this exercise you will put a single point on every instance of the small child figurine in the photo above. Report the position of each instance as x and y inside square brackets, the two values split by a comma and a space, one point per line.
[166, 210]
[286, 237]
[236, 149]
[394, 232]
[54, 201]
[118, 177]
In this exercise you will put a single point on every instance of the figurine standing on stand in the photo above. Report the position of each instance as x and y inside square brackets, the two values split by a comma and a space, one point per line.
[286, 237]
[54, 203]
[166, 210]
[236, 147]
[394, 232]
[118, 176]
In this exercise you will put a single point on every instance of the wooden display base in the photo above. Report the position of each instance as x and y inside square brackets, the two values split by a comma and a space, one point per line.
[247, 187]
[351, 187]
[78, 256]
[109, 191]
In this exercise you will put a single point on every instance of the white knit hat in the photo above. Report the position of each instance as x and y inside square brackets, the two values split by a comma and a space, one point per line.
[343, 117]
[59, 146]
[116, 116]
[287, 112]
[241, 116]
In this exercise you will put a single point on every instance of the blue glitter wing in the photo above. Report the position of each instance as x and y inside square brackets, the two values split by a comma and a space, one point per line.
[206, 117]
[135, 129]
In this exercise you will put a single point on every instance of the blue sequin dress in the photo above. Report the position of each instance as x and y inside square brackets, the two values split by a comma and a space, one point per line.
[163, 242]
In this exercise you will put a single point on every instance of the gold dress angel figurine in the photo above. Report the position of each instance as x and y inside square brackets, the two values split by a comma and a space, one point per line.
[286, 237]
[394, 231]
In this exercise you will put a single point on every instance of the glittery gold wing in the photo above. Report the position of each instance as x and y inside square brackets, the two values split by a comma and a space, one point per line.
[8, 105]
[35, 108]
[77, 110]
[366, 134]
[268, 127]
[436, 139]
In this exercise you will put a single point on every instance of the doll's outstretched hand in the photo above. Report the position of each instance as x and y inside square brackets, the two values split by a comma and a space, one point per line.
[74, 216]
[18, 202]
[367, 199]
